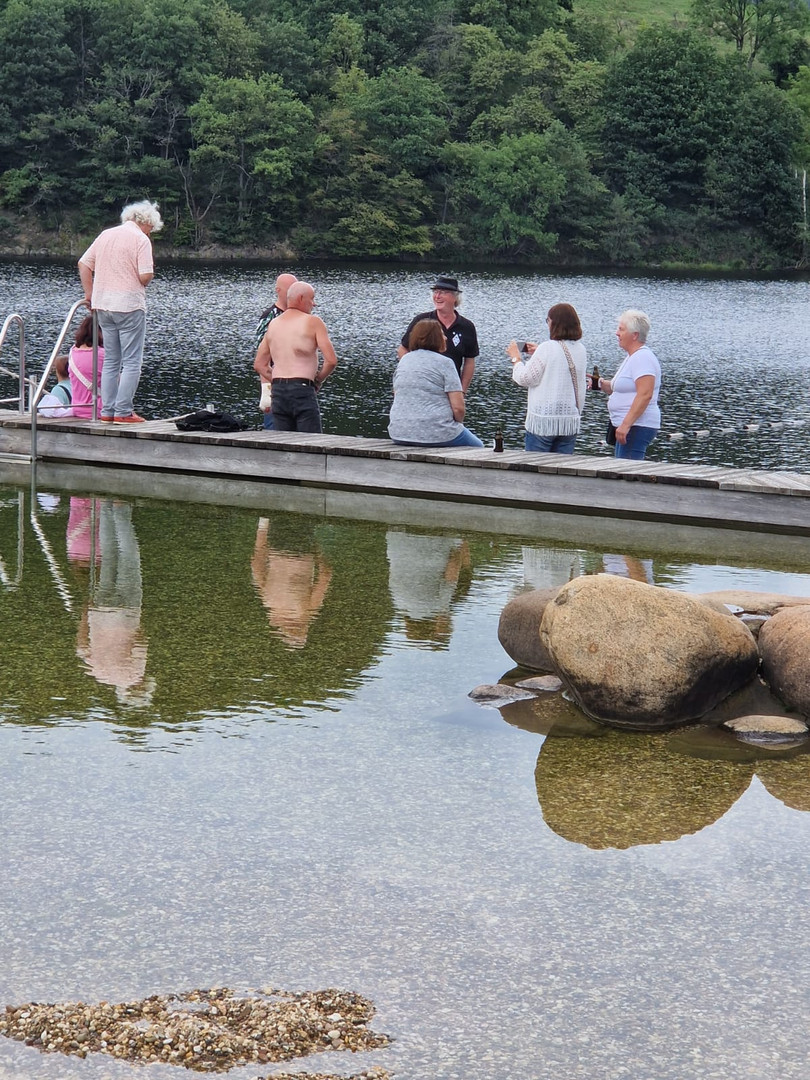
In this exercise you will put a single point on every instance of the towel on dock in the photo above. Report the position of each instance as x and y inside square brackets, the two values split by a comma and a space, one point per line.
[210, 421]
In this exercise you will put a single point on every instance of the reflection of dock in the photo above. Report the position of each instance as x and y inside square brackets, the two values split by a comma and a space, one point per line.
[687, 494]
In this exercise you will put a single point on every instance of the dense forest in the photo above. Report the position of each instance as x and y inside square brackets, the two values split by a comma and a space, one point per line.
[507, 130]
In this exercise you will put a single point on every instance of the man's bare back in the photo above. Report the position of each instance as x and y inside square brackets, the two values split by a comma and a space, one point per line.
[293, 340]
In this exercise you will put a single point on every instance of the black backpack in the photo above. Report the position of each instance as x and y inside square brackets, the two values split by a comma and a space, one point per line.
[210, 421]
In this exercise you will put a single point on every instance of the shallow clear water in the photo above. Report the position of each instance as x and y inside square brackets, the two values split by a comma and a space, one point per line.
[733, 351]
[236, 748]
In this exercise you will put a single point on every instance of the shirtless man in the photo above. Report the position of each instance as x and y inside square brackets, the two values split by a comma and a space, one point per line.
[283, 283]
[291, 345]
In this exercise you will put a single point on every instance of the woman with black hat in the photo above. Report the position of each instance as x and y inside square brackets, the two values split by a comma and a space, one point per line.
[459, 333]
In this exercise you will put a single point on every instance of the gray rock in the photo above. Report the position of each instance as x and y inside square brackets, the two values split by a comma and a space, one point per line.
[546, 683]
[641, 657]
[752, 602]
[769, 729]
[784, 645]
[497, 694]
[519, 629]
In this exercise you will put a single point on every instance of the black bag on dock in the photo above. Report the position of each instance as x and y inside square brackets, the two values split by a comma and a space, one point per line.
[210, 421]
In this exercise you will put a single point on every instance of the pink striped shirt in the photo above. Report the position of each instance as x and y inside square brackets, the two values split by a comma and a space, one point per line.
[117, 256]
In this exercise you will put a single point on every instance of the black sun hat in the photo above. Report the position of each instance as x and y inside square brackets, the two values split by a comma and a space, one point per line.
[444, 281]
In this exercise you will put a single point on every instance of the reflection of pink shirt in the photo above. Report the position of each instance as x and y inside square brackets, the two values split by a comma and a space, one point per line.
[79, 531]
[81, 380]
[117, 257]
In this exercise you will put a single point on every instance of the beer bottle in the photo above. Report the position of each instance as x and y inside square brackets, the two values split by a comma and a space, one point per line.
[595, 378]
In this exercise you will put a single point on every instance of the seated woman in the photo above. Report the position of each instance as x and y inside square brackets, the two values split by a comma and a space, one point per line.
[428, 401]
[81, 368]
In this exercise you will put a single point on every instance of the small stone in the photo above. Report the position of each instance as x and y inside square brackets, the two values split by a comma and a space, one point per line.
[768, 729]
[501, 693]
[547, 683]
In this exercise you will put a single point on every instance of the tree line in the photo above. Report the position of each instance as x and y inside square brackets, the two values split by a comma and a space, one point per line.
[525, 130]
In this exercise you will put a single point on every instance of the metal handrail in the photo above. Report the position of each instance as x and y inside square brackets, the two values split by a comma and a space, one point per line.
[19, 320]
[59, 342]
[36, 394]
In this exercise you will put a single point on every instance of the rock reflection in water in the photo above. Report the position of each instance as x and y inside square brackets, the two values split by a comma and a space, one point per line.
[627, 789]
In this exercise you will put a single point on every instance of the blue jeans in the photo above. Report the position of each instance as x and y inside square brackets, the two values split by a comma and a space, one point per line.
[550, 444]
[295, 406]
[124, 335]
[267, 423]
[638, 439]
[464, 438]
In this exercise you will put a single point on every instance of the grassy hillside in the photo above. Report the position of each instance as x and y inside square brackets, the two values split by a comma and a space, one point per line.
[626, 16]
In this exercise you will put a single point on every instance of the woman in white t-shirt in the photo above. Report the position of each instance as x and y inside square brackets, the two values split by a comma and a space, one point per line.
[633, 390]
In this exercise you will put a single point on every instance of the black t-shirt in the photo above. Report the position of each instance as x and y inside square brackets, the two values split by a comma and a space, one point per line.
[461, 338]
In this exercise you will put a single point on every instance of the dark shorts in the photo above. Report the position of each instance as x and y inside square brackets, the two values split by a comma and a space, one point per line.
[295, 406]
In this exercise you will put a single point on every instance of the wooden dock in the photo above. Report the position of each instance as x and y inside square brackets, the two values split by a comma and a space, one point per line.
[604, 486]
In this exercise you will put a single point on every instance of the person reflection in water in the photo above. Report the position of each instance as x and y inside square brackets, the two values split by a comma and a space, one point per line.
[110, 640]
[427, 574]
[292, 586]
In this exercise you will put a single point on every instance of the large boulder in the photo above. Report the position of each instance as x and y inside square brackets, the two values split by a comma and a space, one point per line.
[784, 644]
[641, 657]
[519, 629]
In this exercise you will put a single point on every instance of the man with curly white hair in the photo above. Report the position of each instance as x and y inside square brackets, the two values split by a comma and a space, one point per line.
[114, 273]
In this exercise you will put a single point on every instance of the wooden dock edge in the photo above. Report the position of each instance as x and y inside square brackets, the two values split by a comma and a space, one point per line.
[605, 486]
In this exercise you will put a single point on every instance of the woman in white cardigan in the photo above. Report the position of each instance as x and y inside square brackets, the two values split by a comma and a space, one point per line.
[554, 375]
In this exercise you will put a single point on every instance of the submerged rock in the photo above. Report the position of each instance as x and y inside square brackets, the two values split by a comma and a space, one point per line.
[784, 644]
[519, 629]
[496, 694]
[641, 657]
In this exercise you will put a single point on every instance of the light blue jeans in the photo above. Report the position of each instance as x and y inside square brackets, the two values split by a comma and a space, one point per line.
[464, 438]
[638, 439]
[550, 444]
[124, 334]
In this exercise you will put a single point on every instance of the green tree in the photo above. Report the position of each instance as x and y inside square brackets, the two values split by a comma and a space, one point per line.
[753, 26]
[253, 141]
[666, 108]
[406, 118]
[503, 194]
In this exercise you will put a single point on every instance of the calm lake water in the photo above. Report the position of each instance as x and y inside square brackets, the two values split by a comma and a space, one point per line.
[733, 352]
[236, 748]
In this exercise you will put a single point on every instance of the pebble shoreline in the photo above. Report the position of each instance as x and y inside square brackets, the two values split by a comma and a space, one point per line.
[204, 1030]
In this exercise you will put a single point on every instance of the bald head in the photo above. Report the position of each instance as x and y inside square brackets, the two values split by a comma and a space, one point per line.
[283, 283]
[301, 296]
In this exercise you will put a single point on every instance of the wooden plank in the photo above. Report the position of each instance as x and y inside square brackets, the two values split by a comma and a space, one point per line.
[646, 489]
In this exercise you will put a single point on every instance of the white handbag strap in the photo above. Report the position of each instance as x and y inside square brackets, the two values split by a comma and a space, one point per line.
[75, 371]
[573, 371]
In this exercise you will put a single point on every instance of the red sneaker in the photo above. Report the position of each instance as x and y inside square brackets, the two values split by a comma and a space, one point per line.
[133, 418]
[106, 419]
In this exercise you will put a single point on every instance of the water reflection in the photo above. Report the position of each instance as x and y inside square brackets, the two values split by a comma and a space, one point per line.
[110, 639]
[428, 575]
[292, 585]
[624, 789]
